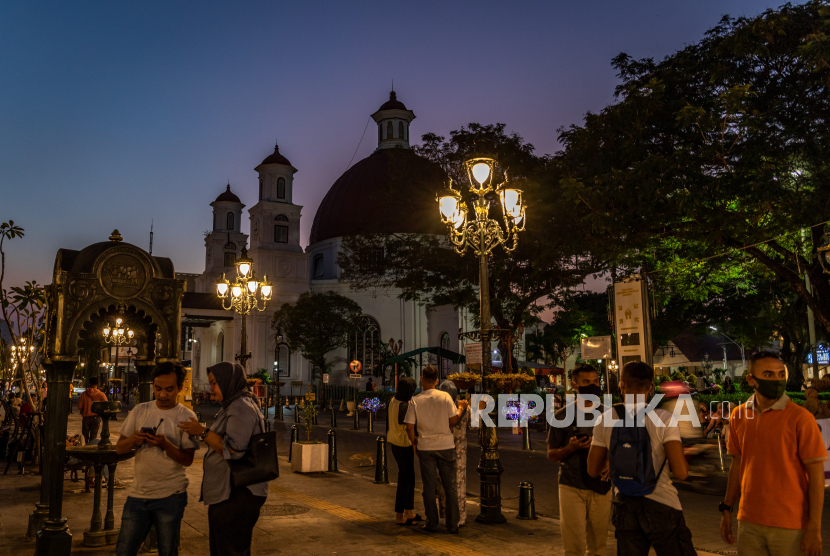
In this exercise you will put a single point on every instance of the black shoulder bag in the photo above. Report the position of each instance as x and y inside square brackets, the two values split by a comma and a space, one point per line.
[259, 464]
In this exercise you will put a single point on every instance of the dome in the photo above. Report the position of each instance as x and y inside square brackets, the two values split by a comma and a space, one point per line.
[393, 103]
[227, 196]
[276, 158]
[391, 191]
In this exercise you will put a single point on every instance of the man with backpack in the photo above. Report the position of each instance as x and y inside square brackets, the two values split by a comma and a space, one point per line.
[777, 469]
[584, 501]
[640, 447]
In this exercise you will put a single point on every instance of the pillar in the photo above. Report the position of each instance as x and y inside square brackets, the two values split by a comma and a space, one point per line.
[145, 382]
[54, 538]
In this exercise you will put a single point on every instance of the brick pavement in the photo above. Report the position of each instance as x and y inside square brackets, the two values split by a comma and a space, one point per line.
[341, 513]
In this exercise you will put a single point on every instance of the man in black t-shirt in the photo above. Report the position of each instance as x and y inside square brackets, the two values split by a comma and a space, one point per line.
[584, 502]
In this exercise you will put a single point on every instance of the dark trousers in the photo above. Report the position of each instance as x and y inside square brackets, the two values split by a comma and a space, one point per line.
[89, 428]
[231, 523]
[642, 523]
[434, 463]
[405, 495]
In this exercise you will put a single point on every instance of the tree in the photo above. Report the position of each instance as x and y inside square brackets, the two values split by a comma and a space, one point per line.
[716, 157]
[317, 324]
[584, 314]
[553, 256]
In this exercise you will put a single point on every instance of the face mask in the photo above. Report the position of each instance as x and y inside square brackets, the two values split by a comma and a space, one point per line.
[771, 389]
[592, 389]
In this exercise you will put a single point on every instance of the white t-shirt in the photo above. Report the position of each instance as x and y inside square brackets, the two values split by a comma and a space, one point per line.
[664, 492]
[156, 474]
[432, 410]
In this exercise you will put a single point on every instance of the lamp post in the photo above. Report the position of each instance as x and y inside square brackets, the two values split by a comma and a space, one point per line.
[118, 336]
[395, 348]
[482, 234]
[743, 353]
[245, 294]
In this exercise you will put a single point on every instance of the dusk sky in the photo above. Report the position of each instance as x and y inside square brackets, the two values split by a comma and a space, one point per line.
[113, 114]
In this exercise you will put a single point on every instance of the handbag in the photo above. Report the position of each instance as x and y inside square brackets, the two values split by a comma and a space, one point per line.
[259, 464]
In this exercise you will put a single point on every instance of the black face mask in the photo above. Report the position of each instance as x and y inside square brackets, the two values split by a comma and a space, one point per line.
[592, 389]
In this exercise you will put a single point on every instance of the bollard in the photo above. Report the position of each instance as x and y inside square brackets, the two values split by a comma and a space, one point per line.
[296, 413]
[526, 438]
[279, 412]
[295, 437]
[314, 420]
[527, 505]
[371, 422]
[343, 404]
[333, 418]
[199, 416]
[381, 474]
[267, 425]
[332, 450]
[356, 426]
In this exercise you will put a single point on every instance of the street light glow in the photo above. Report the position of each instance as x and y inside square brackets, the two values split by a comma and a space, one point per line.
[481, 172]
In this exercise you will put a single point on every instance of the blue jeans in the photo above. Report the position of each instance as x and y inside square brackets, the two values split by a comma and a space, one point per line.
[142, 513]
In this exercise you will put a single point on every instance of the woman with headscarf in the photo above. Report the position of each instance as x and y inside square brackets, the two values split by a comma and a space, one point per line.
[232, 511]
[459, 435]
[403, 453]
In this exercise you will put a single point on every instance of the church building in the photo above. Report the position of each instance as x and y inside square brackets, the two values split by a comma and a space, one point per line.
[390, 191]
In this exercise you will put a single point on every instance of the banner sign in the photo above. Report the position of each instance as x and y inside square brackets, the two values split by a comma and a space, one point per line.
[472, 353]
[596, 347]
[631, 321]
[124, 352]
[325, 378]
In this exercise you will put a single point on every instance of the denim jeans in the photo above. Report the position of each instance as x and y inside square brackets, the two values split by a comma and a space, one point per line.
[142, 513]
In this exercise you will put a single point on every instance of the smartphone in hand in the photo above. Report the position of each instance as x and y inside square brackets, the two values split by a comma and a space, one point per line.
[148, 430]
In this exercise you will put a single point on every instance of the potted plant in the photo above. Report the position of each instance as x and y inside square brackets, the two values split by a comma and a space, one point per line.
[465, 381]
[309, 456]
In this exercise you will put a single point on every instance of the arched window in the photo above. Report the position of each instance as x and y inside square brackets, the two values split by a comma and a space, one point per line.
[230, 254]
[380, 133]
[365, 347]
[260, 189]
[230, 221]
[446, 364]
[389, 130]
[220, 347]
[400, 130]
[281, 188]
[281, 229]
[318, 270]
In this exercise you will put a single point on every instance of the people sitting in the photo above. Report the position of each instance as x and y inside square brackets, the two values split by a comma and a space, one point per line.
[719, 419]
[703, 415]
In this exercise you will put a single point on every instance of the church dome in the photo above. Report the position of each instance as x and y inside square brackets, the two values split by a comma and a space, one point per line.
[276, 158]
[393, 103]
[227, 196]
[390, 191]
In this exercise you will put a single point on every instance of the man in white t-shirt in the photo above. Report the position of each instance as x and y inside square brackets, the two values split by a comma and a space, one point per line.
[656, 519]
[158, 494]
[434, 412]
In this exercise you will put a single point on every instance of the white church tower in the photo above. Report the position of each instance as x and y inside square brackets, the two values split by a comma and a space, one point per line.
[225, 241]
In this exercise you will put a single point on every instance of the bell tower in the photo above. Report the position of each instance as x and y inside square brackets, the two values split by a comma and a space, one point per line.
[393, 121]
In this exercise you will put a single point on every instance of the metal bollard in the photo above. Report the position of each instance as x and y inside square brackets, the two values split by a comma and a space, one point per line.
[295, 437]
[279, 412]
[356, 426]
[296, 413]
[381, 474]
[314, 420]
[333, 417]
[267, 425]
[526, 438]
[371, 421]
[332, 450]
[527, 505]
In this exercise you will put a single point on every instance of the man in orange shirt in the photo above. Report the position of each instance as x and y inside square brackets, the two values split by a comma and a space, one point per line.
[90, 422]
[777, 469]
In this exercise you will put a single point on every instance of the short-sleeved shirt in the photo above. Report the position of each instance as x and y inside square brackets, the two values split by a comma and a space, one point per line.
[664, 492]
[774, 446]
[432, 410]
[236, 424]
[570, 468]
[85, 402]
[157, 475]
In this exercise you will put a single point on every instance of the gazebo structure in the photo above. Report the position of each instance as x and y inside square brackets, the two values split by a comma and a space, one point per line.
[90, 288]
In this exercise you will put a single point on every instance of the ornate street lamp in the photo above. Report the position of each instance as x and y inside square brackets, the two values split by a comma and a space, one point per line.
[480, 233]
[245, 293]
[118, 336]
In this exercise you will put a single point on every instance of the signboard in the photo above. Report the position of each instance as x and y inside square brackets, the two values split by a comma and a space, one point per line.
[356, 375]
[123, 353]
[311, 397]
[325, 378]
[355, 366]
[596, 347]
[631, 321]
[472, 353]
[296, 384]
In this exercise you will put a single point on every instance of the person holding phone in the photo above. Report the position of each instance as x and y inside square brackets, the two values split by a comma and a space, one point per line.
[459, 436]
[158, 494]
[584, 502]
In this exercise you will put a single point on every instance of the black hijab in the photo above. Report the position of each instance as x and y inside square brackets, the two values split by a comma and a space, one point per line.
[230, 377]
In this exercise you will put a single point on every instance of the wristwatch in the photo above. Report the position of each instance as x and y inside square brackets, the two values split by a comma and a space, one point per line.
[722, 507]
[204, 434]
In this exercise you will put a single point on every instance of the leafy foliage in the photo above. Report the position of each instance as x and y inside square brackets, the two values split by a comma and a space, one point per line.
[317, 324]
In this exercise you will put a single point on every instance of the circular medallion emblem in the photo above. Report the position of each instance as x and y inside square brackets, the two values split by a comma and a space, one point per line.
[123, 276]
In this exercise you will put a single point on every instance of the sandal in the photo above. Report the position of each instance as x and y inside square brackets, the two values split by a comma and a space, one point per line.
[406, 523]
[417, 518]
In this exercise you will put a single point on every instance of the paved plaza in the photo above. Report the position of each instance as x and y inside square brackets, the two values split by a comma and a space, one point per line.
[332, 513]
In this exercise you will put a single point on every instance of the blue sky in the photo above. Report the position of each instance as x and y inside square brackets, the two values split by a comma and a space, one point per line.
[113, 114]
